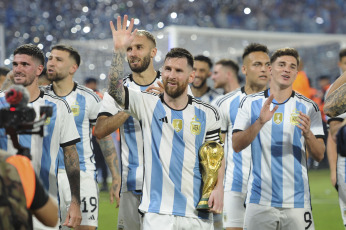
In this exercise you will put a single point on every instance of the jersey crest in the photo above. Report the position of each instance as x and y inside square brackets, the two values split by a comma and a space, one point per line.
[294, 119]
[75, 109]
[195, 126]
[178, 125]
[277, 118]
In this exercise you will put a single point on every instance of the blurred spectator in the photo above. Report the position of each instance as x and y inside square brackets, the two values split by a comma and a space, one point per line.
[3, 72]
[302, 84]
[42, 79]
[342, 60]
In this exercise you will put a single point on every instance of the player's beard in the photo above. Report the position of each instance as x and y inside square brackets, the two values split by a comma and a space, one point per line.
[28, 80]
[201, 85]
[178, 90]
[55, 76]
[143, 67]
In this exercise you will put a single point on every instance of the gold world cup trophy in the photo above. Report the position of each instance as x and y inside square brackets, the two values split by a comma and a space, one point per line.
[211, 154]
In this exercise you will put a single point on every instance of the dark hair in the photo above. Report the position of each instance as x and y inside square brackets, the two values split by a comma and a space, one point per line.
[90, 80]
[342, 54]
[31, 50]
[285, 52]
[180, 53]
[229, 63]
[148, 35]
[4, 71]
[255, 47]
[73, 52]
[204, 59]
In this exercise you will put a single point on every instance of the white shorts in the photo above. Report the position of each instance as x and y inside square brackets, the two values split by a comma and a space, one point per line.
[341, 189]
[154, 221]
[233, 209]
[271, 218]
[89, 196]
[128, 215]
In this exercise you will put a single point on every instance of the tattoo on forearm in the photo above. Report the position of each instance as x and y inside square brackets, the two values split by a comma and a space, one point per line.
[335, 103]
[71, 160]
[115, 88]
[110, 155]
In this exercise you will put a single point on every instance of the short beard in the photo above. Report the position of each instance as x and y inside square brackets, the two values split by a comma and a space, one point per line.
[201, 85]
[178, 92]
[143, 67]
[54, 77]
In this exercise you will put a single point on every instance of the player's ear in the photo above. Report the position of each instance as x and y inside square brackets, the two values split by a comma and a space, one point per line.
[243, 69]
[153, 52]
[192, 76]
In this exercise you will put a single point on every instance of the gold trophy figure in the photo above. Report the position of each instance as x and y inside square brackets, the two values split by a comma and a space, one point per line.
[211, 154]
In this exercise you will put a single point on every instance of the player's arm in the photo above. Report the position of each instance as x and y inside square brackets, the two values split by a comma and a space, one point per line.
[105, 125]
[111, 158]
[335, 103]
[122, 39]
[242, 139]
[71, 160]
[48, 213]
[332, 158]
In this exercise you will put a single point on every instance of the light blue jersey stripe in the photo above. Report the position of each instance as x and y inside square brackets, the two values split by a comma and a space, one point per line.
[297, 148]
[176, 166]
[156, 170]
[79, 123]
[256, 152]
[276, 159]
[197, 179]
[237, 183]
[46, 159]
[3, 136]
[130, 138]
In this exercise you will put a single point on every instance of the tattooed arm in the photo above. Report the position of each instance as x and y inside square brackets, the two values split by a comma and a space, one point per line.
[111, 158]
[71, 160]
[335, 103]
[122, 39]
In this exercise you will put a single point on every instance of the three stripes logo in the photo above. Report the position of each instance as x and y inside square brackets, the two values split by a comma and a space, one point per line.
[164, 119]
[92, 217]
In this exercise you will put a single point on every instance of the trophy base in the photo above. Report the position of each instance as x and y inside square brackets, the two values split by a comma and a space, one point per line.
[203, 205]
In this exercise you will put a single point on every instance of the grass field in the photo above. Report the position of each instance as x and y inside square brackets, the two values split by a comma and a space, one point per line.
[325, 206]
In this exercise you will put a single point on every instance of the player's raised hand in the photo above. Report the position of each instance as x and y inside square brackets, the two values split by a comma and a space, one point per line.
[154, 89]
[267, 114]
[304, 124]
[123, 36]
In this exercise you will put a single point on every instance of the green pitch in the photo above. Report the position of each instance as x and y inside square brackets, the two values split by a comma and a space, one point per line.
[325, 205]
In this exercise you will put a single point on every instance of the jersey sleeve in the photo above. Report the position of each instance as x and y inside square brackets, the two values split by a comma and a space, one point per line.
[135, 102]
[316, 126]
[68, 130]
[94, 107]
[41, 196]
[108, 106]
[213, 126]
[224, 115]
[242, 120]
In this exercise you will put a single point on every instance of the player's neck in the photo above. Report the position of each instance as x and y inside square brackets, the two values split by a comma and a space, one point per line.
[280, 94]
[251, 89]
[177, 103]
[63, 87]
[199, 92]
[231, 87]
[33, 90]
[146, 77]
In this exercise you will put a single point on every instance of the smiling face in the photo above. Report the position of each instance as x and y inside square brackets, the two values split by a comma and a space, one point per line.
[256, 69]
[202, 72]
[284, 71]
[60, 65]
[140, 53]
[25, 69]
[176, 76]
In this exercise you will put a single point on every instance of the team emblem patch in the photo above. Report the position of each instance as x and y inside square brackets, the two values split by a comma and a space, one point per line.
[195, 126]
[294, 119]
[177, 125]
[47, 121]
[75, 109]
[277, 118]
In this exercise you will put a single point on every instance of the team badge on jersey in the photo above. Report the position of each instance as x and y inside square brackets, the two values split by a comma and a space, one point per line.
[177, 125]
[294, 119]
[75, 109]
[277, 118]
[195, 126]
[47, 121]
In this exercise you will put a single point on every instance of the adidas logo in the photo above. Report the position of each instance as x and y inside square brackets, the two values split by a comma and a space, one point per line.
[164, 119]
[92, 217]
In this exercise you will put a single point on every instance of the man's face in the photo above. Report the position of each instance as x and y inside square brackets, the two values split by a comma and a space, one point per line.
[342, 64]
[176, 76]
[256, 69]
[139, 54]
[25, 69]
[284, 71]
[220, 76]
[60, 65]
[202, 72]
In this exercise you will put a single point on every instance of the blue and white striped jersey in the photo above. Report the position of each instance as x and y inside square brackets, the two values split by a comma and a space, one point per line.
[60, 131]
[237, 164]
[209, 96]
[278, 176]
[131, 138]
[172, 138]
[85, 105]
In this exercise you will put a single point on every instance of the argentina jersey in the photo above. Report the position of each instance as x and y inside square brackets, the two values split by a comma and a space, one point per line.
[209, 96]
[85, 105]
[131, 138]
[59, 131]
[172, 138]
[237, 164]
[278, 176]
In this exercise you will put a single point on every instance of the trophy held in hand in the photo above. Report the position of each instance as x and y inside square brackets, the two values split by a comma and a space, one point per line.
[211, 154]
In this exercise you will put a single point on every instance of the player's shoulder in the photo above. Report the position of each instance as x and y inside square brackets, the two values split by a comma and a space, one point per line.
[225, 99]
[208, 108]
[86, 92]
[52, 98]
[306, 101]
[252, 97]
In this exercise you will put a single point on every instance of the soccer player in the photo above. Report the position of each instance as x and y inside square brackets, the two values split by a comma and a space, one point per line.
[174, 127]
[225, 75]
[200, 90]
[255, 67]
[3, 73]
[342, 60]
[28, 64]
[140, 56]
[281, 126]
[62, 63]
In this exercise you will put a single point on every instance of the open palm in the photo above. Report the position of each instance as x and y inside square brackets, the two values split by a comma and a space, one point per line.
[122, 36]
